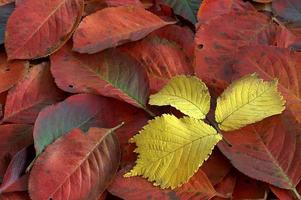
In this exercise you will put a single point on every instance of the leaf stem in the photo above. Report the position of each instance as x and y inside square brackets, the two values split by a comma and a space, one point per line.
[215, 125]
[296, 193]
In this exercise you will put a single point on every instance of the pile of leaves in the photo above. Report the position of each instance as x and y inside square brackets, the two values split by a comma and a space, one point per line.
[112, 99]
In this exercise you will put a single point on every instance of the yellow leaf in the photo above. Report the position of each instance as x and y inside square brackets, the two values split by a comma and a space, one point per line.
[171, 150]
[186, 93]
[246, 101]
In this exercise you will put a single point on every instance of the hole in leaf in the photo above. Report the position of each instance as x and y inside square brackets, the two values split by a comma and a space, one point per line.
[70, 86]
[200, 46]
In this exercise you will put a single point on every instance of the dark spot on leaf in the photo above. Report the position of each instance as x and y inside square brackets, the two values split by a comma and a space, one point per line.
[200, 46]
[70, 86]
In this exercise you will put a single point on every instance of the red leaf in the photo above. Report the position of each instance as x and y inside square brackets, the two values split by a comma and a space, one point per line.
[109, 73]
[216, 167]
[11, 72]
[76, 166]
[162, 59]
[210, 9]
[124, 2]
[4, 2]
[15, 196]
[136, 188]
[226, 186]
[261, 152]
[13, 180]
[34, 92]
[285, 194]
[214, 54]
[115, 26]
[38, 28]
[13, 138]
[247, 188]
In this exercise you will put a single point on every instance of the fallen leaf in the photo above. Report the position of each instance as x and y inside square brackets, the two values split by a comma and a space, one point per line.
[11, 72]
[214, 54]
[38, 28]
[6, 8]
[115, 26]
[15, 196]
[246, 101]
[187, 94]
[14, 178]
[162, 58]
[109, 73]
[80, 111]
[14, 137]
[247, 188]
[34, 92]
[261, 152]
[288, 10]
[186, 8]
[115, 3]
[82, 167]
[216, 167]
[211, 9]
[157, 145]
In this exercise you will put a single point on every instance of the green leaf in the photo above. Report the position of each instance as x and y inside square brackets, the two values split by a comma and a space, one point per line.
[171, 150]
[186, 8]
[188, 94]
[246, 101]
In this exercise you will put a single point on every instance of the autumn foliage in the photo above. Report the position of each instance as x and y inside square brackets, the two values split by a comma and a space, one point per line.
[150, 99]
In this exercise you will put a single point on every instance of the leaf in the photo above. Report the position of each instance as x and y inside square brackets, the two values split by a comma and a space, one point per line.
[186, 8]
[267, 151]
[34, 92]
[109, 73]
[247, 188]
[14, 174]
[227, 185]
[123, 3]
[4, 2]
[136, 188]
[5, 11]
[171, 150]
[38, 28]
[188, 94]
[288, 10]
[166, 52]
[13, 138]
[198, 187]
[211, 9]
[246, 101]
[11, 72]
[216, 167]
[79, 111]
[220, 52]
[82, 167]
[270, 63]
[115, 26]
[15, 196]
